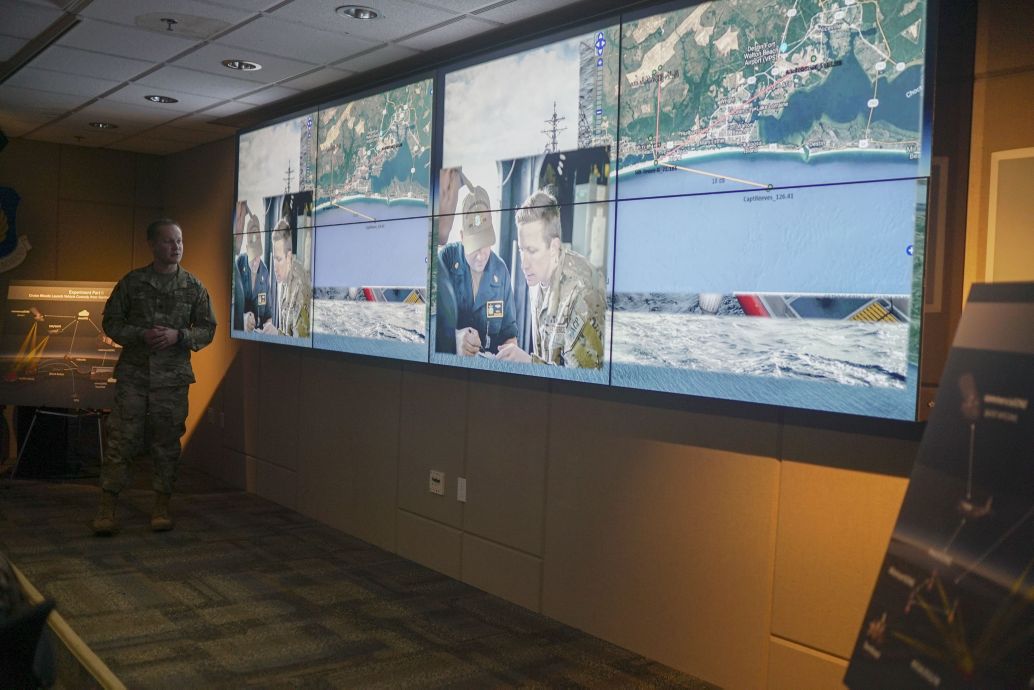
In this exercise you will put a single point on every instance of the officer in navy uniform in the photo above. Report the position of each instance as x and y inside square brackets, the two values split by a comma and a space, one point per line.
[255, 277]
[480, 281]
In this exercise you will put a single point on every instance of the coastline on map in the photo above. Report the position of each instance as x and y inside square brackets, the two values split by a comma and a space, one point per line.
[367, 199]
[737, 154]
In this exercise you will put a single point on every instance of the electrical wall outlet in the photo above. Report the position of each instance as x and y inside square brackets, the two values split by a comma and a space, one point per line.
[437, 482]
[461, 489]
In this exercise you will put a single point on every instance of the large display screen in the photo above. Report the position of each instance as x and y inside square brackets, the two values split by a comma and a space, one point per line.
[726, 199]
[273, 233]
[373, 216]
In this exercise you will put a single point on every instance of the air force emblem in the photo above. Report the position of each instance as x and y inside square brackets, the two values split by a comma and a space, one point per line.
[12, 248]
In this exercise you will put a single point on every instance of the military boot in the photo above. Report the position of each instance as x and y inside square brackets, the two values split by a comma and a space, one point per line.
[160, 520]
[104, 525]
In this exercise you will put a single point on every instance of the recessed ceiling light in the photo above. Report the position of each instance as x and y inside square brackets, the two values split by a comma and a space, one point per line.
[103, 125]
[357, 12]
[243, 65]
[154, 98]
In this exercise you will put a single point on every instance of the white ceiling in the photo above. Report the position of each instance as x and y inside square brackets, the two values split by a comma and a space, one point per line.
[120, 51]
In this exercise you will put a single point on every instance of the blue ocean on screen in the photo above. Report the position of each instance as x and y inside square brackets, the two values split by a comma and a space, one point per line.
[832, 239]
[366, 210]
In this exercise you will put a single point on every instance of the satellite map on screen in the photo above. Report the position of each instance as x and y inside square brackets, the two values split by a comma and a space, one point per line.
[745, 94]
[375, 156]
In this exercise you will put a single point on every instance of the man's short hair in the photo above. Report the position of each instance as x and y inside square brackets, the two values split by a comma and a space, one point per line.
[282, 233]
[152, 228]
[541, 206]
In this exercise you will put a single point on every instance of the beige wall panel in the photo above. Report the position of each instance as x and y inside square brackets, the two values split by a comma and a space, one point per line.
[233, 402]
[348, 444]
[1007, 121]
[278, 411]
[834, 527]
[429, 543]
[794, 667]
[204, 439]
[95, 240]
[149, 176]
[509, 574]
[506, 461]
[229, 466]
[870, 449]
[142, 256]
[434, 419]
[1003, 36]
[660, 537]
[1001, 121]
[1013, 257]
[99, 175]
[32, 169]
[197, 190]
[272, 482]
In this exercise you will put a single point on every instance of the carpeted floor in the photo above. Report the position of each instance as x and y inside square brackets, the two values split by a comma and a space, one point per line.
[245, 593]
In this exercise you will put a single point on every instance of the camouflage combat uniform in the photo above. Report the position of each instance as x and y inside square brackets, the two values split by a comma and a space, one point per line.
[568, 316]
[294, 298]
[151, 393]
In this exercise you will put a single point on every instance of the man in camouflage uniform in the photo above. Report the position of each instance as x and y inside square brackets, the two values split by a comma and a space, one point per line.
[159, 314]
[293, 289]
[568, 306]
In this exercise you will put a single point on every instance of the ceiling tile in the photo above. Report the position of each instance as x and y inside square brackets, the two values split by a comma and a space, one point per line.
[29, 112]
[268, 95]
[398, 18]
[321, 77]
[9, 45]
[134, 94]
[51, 4]
[78, 124]
[125, 41]
[144, 143]
[38, 100]
[64, 133]
[290, 40]
[126, 13]
[24, 20]
[185, 136]
[225, 110]
[274, 69]
[86, 63]
[515, 10]
[199, 122]
[459, 5]
[450, 33]
[200, 83]
[16, 127]
[60, 82]
[376, 58]
[251, 5]
[126, 115]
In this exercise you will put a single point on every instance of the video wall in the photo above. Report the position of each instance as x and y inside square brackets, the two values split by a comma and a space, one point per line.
[725, 200]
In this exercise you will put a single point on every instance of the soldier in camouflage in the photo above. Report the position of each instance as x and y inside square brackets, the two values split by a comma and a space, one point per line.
[159, 314]
[293, 288]
[568, 306]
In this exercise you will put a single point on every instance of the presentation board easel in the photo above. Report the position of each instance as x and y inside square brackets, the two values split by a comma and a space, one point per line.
[76, 414]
